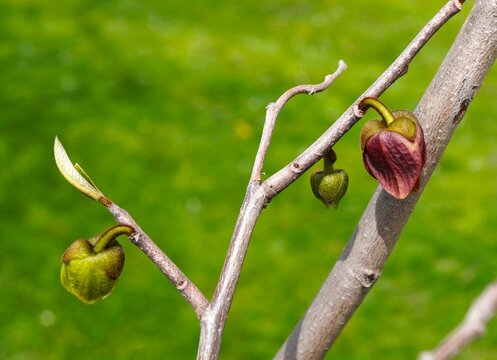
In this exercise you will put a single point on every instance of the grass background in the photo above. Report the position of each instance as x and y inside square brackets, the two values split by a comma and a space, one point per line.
[163, 104]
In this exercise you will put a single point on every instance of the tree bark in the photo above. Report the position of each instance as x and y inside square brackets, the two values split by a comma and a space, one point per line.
[440, 111]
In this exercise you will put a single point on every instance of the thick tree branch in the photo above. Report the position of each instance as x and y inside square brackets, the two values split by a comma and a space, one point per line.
[258, 195]
[479, 314]
[361, 263]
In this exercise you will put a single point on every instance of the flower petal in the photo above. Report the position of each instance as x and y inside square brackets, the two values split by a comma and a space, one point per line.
[394, 161]
[371, 128]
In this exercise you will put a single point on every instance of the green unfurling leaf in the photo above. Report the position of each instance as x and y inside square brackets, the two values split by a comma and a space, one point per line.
[74, 174]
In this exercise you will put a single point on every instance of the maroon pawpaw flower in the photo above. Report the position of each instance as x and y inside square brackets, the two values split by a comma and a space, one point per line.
[393, 149]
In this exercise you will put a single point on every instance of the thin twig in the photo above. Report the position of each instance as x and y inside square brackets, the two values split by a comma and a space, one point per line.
[274, 109]
[479, 314]
[187, 289]
[214, 319]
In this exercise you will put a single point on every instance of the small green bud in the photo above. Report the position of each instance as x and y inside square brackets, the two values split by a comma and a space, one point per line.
[329, 185]
[90, 268]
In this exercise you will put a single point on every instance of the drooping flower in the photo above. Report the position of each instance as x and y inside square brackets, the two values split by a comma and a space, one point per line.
[393, 149]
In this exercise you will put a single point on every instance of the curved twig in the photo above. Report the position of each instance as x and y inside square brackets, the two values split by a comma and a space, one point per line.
[274, 109]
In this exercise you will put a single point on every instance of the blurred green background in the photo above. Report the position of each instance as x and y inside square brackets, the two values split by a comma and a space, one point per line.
[162, 102]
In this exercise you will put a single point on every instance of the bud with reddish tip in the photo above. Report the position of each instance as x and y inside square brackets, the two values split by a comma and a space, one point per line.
[393, 149]
[329, 185]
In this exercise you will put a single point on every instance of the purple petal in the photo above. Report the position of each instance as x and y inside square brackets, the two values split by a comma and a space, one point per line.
[395, 161]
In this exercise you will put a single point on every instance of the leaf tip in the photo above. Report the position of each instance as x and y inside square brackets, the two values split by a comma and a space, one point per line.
[75, 174]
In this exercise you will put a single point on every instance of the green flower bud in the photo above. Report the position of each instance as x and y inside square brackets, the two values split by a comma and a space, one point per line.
[329, 185]
[90, 268]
